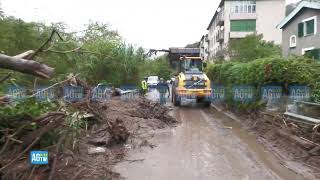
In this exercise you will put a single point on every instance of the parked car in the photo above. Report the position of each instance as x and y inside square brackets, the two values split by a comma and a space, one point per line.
[153, 81]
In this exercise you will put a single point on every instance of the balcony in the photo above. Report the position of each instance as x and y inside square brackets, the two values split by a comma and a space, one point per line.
[234, 35]
[240, 16]
[220, 19]
[206, 38]
[220, 36]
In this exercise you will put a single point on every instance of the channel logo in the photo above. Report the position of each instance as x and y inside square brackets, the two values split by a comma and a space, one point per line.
[39, 157]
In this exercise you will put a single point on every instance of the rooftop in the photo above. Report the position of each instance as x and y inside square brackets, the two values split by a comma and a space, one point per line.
[302, 5]
[215, 14]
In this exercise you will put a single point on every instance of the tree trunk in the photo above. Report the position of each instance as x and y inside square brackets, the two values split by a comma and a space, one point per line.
[26, 66]
[25, 55]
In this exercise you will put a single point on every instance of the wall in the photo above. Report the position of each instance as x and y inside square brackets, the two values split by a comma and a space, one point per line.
[269, 15]
[227, 11]
[302, 42]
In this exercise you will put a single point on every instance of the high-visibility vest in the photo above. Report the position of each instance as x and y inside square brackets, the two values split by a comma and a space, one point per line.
[144, 84]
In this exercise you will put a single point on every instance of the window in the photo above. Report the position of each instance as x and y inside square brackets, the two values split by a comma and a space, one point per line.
[305, 50]
[254, 8]
[293, 41]
[313, 53]
[249, 9]
[238, 7]
[310, 27]
[307, 27]
[243, 25]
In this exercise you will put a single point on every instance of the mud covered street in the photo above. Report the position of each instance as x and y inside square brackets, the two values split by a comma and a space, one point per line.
[204, 147]
[128, 90]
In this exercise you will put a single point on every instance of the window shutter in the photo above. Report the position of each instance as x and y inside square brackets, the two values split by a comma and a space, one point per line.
[300, 29]
[310, 27]
[243, 25]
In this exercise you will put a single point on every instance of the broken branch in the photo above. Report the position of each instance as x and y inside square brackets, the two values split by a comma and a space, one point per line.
[26, 66]
[40, 49]
[24, 55]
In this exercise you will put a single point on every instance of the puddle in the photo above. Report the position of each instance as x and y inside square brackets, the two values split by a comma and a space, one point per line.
[266, 157]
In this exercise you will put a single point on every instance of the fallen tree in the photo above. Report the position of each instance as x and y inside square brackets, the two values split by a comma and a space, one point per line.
[26, 66]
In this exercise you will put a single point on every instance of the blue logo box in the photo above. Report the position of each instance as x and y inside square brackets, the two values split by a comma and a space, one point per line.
[73, 93]
[39, 157]
[243, 93]
[101, 93]
[16, 93]
[218, 93]
[45, 94]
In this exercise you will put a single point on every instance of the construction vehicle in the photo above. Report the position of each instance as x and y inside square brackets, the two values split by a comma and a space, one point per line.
[191, 82]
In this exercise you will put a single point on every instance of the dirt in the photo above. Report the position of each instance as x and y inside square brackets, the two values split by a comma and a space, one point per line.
[294, 157]
[283, 140]
[202, 147]
[131, 121]
[142, 145]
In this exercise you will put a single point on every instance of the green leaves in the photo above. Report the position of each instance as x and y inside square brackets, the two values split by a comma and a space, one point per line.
[265, 70]
[28, 107]
[100, 55]
[268, 70]
[251, 47]
[158, 67]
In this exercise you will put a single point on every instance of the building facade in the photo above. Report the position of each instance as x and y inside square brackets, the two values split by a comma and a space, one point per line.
[236, 19]
[204, 52]
[301, 30]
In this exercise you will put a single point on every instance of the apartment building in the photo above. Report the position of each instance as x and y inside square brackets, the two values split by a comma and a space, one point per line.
[204, 51]
[236, 19]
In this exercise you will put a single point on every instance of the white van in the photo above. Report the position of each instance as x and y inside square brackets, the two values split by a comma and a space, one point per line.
[153, 81]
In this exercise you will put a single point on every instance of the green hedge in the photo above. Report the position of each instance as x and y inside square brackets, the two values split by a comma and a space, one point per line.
[268, 70]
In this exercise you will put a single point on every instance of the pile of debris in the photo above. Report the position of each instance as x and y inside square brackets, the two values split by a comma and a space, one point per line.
[74, 152]
[112, 127]
[290, 141]
[294, 142]
[101, 148]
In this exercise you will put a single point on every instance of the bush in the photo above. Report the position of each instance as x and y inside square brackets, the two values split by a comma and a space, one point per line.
[262, 71]
[266, 70]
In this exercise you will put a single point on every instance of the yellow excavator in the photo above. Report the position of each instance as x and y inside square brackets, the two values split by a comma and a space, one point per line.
[191, 83]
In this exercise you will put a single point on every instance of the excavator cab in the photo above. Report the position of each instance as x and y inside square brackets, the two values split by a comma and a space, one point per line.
[191, 64]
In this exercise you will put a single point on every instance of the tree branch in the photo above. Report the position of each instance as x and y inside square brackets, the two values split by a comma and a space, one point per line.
[26, 66]
[40, 49]
[24, 55]
[77, 50]
[5, 78]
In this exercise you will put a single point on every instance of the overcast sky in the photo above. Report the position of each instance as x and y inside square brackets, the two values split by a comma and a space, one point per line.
[147, 23]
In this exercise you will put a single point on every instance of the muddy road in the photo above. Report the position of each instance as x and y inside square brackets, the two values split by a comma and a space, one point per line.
[204, 147]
